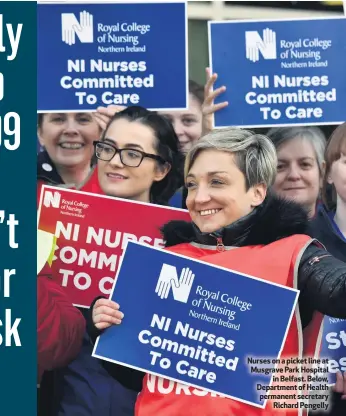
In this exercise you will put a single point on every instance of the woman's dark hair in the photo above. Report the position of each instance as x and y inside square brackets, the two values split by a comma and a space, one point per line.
[167, 146]
[197, 91]
[335, 147]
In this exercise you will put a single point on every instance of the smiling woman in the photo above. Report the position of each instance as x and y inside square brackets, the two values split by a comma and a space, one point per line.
[138, 157]
[300, 153]
[127, 160]
[67, 140]
[238, 225]
[234, 183]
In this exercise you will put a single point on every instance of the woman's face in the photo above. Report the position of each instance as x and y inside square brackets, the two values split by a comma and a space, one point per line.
[187, 124]
[68, 137]
[119, 180]
[217, 194]
[298, 176]
[337, 176]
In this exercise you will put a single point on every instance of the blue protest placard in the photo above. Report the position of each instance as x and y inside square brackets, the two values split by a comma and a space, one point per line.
[195, 323]
[282, 72]
[125, 53]
[333, 346]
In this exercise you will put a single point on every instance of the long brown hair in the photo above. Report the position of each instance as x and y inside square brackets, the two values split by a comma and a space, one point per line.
[336, 146]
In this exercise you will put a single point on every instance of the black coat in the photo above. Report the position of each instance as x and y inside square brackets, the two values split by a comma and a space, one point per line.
[46, 170]
[323, 230]
[321, 277]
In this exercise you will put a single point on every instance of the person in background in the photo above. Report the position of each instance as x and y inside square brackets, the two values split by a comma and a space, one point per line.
[138, 159]
[228, 174]
[300, 152]
[188, 123]
[208, 108]
[67, 141]
[329, 225]
[66, 158]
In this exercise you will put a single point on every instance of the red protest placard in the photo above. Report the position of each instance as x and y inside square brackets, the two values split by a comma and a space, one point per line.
[91, 232]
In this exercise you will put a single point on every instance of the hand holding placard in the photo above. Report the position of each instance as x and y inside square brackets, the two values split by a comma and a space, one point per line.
[106, 313]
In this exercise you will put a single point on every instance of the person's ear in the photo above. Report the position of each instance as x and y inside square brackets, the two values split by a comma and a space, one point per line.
[329, 180]
[39, 136]
[258, 194]
[161, 172]
[327, 175]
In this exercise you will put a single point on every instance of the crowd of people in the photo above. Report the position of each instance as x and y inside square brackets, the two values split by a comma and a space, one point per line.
[277, 196]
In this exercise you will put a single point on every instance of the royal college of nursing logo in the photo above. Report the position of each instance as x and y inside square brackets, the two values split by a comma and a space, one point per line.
[254, 44]
[51, 199]
[70, 27]
[168, 280]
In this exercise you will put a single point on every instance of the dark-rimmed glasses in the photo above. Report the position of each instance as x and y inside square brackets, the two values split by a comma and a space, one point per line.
[129, 157]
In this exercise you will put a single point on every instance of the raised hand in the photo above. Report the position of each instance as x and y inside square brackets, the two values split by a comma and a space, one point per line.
[208, 106]
[104, 114]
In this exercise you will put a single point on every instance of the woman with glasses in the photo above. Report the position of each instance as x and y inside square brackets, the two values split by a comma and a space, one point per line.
[128, 161]
[137, 159]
